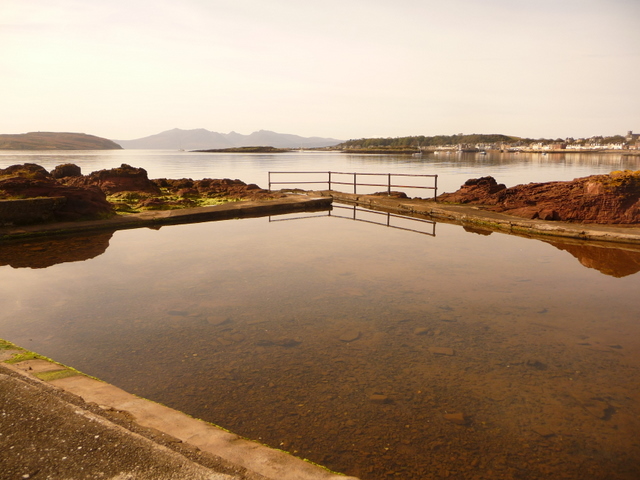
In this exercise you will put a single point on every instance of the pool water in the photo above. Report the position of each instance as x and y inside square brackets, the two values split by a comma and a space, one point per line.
[377, 352]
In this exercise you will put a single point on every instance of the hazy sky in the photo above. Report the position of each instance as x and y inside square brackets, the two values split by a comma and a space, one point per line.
[343, 69]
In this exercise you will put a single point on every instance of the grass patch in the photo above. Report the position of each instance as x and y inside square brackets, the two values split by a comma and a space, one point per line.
[128, 204]
[7, 345]
[25, 355]
[210, 202]
[57, 374]
[623, 179]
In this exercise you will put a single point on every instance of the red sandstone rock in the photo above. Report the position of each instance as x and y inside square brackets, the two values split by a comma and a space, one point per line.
[26, 170]
[213, 188]
[605, 199]
[122, 179]
[30, 181]
[66, 170]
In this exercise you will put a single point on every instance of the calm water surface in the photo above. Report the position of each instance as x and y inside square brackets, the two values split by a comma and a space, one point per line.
[348, 343]
[453, 169]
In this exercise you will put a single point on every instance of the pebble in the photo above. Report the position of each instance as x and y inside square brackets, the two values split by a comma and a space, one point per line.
[442, 351]
[350, 336]
[379, 398]
[457, 418]
[537, 364]
[217, 320]
[288, 342]
[421, 331]
[543, 431]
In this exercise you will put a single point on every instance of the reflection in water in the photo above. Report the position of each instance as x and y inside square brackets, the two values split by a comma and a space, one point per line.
[45, 252]
[617, 261]
[417, 223]
[374, 351]
[477, 230]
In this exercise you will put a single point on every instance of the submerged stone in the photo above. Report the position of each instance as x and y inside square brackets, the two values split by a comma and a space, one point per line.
[458, 418]
[442, 351]
[217, 320]
[350, 336]
[379, 398]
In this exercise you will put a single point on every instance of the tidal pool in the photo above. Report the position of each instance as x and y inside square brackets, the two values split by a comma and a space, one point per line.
[378, 352]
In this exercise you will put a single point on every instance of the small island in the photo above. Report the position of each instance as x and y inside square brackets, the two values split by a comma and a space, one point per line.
[55, 141]
[245, 150]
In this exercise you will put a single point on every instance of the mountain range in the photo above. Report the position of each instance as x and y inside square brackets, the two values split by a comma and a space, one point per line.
[199, 139]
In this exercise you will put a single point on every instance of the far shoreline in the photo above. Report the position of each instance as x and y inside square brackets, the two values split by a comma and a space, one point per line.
[378, 151]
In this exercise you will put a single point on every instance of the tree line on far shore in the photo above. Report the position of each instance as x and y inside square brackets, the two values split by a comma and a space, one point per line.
[461, 139]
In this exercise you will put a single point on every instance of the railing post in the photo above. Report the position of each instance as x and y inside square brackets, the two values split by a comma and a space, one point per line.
[435, 190]
[269, 181]
[329, 181]
[354, 183]
[389, 186]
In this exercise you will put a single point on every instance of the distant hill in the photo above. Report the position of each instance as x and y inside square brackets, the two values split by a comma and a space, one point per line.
[201, 139]
[55, 141]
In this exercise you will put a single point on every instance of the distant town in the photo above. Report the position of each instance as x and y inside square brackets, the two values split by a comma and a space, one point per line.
[503, 143]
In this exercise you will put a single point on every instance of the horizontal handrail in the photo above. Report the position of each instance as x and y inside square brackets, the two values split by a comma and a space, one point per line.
[332, 181]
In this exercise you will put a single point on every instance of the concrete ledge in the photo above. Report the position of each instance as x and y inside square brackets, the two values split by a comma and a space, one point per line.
[154, 218]
[24, 401]
[258, 461]
[471, 215]
[272, 464]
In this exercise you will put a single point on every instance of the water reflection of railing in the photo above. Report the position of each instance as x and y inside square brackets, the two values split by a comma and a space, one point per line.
[386, 221]
[340, 178]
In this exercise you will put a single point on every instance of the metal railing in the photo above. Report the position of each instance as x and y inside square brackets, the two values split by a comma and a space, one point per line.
[356, 180]
[359, 214]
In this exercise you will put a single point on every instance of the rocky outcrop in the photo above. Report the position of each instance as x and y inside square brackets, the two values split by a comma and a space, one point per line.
[66, 170]
[603, 199]
[125, 189]
[213, 188]
[32, 181]
[122, 179]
